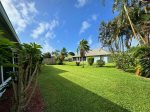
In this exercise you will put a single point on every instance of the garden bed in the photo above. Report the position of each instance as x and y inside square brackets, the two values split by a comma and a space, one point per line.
[36, 104]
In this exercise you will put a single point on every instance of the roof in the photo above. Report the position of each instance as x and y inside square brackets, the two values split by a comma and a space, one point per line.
[96, 52]
[7, 24]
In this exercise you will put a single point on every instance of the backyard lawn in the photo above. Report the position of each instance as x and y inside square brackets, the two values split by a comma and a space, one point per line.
[70, 88]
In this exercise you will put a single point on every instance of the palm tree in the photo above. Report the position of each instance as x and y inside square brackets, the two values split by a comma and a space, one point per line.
[83, 48]
[63, 53]
[136, 13]
[119, 32]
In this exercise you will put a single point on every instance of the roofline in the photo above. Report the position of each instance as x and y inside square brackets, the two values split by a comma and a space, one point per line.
[4, 14]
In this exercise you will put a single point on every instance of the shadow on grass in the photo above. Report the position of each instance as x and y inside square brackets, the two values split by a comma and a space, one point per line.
[62, 95]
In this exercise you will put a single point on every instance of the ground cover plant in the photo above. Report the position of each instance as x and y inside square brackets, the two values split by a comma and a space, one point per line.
[70, 88]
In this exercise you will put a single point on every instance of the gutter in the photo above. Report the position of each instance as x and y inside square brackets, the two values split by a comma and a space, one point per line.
[7, 20]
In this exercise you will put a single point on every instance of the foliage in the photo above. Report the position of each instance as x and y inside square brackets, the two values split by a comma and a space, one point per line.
[90, 60]
[63, 53]
[143, 53]
[59, 61]
[83, 47]
[6, 47]
[28, 65]
[60, 55]
[71, 53]
[29, 56]
[47, 55]
[124, 60]
[131, 23]
[100, 63]
[78, 63]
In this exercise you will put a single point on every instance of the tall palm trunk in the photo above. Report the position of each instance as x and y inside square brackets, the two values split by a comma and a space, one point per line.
[83, 61]
[131, 24]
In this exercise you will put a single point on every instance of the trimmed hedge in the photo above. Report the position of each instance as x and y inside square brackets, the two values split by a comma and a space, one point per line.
[100, 63]
[90, 60]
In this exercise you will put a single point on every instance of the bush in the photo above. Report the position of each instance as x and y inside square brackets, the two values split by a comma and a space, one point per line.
[124, 61]
[100, 63]
[59, 60]
[78, 63]
[90, 60]
[143, 54]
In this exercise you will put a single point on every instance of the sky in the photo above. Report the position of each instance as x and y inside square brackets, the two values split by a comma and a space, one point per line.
[55, 24]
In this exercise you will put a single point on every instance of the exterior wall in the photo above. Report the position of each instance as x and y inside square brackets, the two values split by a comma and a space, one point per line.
[105, 58]
[9, 33]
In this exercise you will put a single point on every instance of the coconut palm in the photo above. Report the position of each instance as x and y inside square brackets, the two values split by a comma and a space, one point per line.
[83, 48]
[129, 24]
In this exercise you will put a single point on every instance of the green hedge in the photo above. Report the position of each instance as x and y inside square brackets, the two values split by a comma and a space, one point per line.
[90, 60]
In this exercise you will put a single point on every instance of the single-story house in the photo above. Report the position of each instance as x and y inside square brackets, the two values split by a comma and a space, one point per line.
[97, 54]
[9, 33]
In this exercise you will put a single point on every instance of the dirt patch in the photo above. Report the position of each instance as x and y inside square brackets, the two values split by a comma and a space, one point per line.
[36, 104]
[6, 101]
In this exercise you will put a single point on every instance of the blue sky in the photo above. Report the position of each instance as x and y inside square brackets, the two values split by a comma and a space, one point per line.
[58, 23]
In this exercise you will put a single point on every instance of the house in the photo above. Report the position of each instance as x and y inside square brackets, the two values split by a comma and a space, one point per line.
[97, 54]
[9, 33]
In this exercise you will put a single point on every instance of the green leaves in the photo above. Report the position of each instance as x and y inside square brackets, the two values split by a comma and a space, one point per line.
[143, 53]
[83, 47]
[6, 47]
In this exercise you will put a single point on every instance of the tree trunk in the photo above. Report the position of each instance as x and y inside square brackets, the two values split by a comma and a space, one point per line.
[83, 61]
[130, 22]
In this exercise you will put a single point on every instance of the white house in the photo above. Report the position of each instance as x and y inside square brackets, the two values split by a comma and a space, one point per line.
[97, 54]
[6, 26]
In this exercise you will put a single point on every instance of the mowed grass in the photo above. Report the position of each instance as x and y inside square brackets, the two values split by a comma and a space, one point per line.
[70, 88]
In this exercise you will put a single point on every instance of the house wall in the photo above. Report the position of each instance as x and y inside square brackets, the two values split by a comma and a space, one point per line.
[8, 32]
[105, 58]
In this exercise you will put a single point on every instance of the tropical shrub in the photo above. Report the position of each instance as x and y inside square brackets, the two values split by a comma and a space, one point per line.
[24, 79]
[59, 60]
[78, 63]
[100, 63]
[143, 54]
[124, 61]
[90, 60]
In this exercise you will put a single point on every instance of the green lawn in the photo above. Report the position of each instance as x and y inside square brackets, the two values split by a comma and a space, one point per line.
[69, 88]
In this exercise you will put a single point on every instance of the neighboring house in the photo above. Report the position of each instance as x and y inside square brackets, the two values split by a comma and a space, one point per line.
[97, 54]
[9, 33]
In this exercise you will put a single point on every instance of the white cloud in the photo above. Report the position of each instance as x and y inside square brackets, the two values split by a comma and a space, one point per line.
[94, 17]
[50, 35]
[90, 40]
[81, 3]
[85, 26]
[39, 30]
[21, 13]
[47, 28]
[47, 47]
